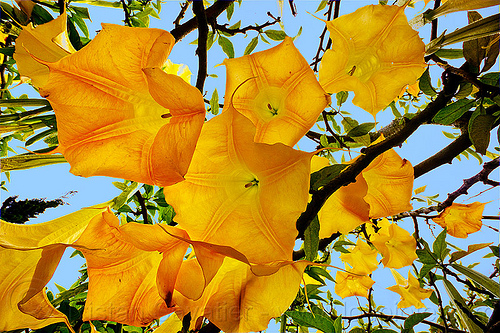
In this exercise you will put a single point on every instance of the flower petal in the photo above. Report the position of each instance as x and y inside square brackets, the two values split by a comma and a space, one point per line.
[375, 62]
[278, 91]
[461, 220]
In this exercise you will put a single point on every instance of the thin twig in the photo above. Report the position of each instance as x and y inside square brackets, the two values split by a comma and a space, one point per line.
[211, 13]
[390, 317]
[232, 32]
[317, 57]
[293, 8]
[142, 203]
[434, 24]
[181, 14]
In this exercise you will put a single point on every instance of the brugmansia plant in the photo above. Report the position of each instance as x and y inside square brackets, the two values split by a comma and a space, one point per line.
[223, 223]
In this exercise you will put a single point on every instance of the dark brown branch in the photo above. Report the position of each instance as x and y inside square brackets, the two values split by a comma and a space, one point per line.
[244, 30]
[434, 24]
[482, 176]
[349, 174]
[211, 13]
[293, 8]
[432, 281]
[390, 317]
[209, 328]
[201, 51]
[62, 5]
[144, 210]
[181, 14]
[444, 156]
[127, 13]
[317, 57]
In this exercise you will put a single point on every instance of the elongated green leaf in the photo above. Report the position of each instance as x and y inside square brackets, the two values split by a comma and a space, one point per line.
[40, 136]
[251, 46]
[482, 28]
[276, 35]
[413, 320]
[489, 284]
[323, 176]
[307, 319]
[361, 129]
[470, 249]
[424, 83]
[479, 130]
[124, 196]
[450, 6]
[227, 46]
[24, 102]
[461, 307]
[439, 245]
[28, 161]
[311, 240]
[453, 111]
[450, 53]
[214, 102]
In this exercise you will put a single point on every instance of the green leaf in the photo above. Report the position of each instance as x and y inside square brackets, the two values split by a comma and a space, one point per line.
[395, 110]
[40, 136]
[320, 271]
[322, 5]
[341, 97]
[124, 196]
[24, 102]
[28, 161]
[489, 284]
[479, 129]
[227, 46]
[361, 129]
[425, 257]
[461, 306]
[491, 78]
[276, 35]
[337, 324]
[464, 90]
[81, 24]
[230, 11]
[322, 177]
[450, 53]
[210, 40]
[83, 12]
[8, 50]
[424, 83]
[311, 239]
[453, 111]
[40, 15]
[251, 46]
[412, 320]
[214, 102]
[439, 245]
[307, 319]
[471, 249]
[426, 268]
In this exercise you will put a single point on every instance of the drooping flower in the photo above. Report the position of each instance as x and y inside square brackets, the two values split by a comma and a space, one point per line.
[242, 194]
[118, 114]
[238, 300]
[278, 91]
[348, 284]
[382, 189]
[397, 246]
[29, 255]
[461, 220]
[362, 258]
[389, 179]
[410, 291]
[48, 41]
[375, 62]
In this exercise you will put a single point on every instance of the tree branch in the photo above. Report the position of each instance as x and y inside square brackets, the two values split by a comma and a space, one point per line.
[317, 57]
[144, 210]
[181, 14]
[451, 83]
[201, 51]
[211, 13]
[244, 30]
[127, 13]
[390, 317]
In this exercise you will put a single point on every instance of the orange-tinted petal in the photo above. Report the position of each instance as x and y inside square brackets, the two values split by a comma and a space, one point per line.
[237, 300]
[397, 246]
[362, 258]
[277, 90]
[347, 284]
[410, 291]
[375, 62]
[122, 277]
[29, 255]
[109, 122]
[461, 220]
[390, 184]
[237, 190]
[48, 42]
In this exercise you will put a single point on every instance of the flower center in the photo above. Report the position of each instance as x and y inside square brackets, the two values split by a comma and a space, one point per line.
[270, 102]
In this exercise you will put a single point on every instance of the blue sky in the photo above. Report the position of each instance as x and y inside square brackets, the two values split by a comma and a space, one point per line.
[55, 181]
